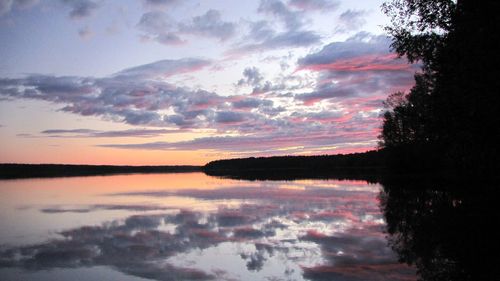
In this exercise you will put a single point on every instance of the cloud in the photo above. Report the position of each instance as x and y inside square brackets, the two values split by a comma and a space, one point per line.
[336, 109]
[251, 76]
[260, 30]
[293, 20]
[163, 68]
[158, 26]
[351, 20]
[209, 24]
[264, 143]
[99, 207]
[251, 103]
[361, 44]
[286, 39]
[89, 133]
[7, 5]
[314, 5]
[160, 3]
[229, 117]
[361, 66]
[80, 9]
[155, 22]
[121, 98]
[263, 37]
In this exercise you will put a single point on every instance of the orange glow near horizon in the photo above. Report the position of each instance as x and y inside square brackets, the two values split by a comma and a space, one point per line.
[104, 156]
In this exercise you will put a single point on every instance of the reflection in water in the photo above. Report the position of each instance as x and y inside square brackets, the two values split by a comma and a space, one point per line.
[445, 229]
[299, 230]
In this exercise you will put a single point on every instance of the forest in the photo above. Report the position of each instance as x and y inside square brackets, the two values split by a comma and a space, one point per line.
[449, 119]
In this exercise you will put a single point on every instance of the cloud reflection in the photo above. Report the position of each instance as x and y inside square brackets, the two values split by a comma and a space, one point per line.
[323, 232]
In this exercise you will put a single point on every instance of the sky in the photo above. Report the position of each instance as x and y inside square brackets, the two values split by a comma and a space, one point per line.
[148, 82]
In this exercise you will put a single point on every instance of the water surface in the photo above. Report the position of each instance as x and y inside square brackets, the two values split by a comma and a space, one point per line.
[193, 227]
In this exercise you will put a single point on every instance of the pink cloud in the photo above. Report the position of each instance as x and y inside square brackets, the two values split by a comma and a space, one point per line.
[372, 62]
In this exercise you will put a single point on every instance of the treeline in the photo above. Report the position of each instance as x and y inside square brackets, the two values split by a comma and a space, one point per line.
[12, 171]
[450, 119]
[367, 166]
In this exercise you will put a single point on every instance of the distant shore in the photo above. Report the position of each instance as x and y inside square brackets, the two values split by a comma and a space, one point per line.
[20, 171]
[367, 164]
[284, 167]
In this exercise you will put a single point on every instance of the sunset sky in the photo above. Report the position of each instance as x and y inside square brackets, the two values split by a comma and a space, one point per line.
[189, 81]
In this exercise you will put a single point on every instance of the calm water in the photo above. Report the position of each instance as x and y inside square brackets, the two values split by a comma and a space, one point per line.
[194, 227]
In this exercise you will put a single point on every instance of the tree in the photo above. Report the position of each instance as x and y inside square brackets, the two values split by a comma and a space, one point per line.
[452, 109]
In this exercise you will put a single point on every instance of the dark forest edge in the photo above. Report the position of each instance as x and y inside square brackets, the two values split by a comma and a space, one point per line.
[18, 171]
[364, 166]
[367, 166]
[371, 166]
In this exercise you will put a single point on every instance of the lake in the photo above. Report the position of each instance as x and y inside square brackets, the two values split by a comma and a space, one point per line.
[191, 226]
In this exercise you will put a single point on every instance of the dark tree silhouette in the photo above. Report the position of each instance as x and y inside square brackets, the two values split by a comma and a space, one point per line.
[443, 228]
[449, 119]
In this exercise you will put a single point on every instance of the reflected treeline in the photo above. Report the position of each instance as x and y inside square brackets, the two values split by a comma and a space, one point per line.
[296, 174]
[446, 229]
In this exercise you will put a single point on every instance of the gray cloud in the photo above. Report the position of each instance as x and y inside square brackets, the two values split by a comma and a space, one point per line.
[229, 117]
[133, 96]
[330, 90]
[160, 3]
[363, 58]
[313, 5]
[155, 22]
[293, 20]
[163, 68]
[99, 207]
[7, 5]
[260, 31]
[265, 142]
[263, 37]
[80, 8]
[209, 24]
[121, 98]
[158, 26]
[169, 38]
[251, 103]
[353, 76]
[358, 45]
[294, 39]
[88, 133]
[351, 20]
[251, 76]
[286, 39]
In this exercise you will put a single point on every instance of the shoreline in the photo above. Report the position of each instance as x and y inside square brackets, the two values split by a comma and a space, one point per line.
[25, 171]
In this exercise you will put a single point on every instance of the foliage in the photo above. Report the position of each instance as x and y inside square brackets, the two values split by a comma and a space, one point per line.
[451, 112]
